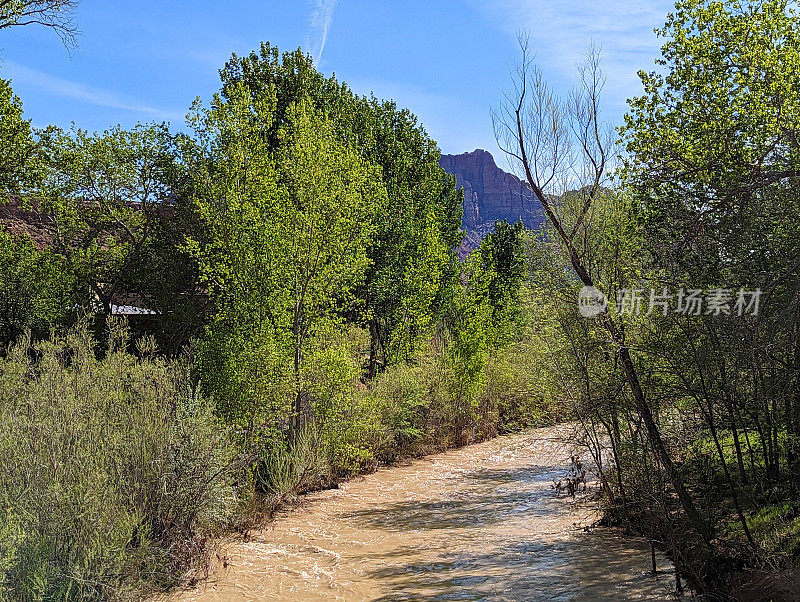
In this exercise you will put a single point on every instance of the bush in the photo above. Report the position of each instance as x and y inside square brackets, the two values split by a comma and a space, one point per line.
[288, 469]
[515, 389]
[113, 473]
[346, 419]
[36, 288]
[426, 407]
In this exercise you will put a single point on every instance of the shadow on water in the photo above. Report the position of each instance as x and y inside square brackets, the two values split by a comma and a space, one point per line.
[473, 561]
[487, 496]
[481, 523]
[569, 569]
[527, 474]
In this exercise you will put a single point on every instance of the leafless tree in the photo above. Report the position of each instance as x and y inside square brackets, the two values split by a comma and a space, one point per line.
[54, 14]
[564, 151]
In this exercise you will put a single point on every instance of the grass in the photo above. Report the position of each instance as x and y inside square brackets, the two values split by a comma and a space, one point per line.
[776, 528]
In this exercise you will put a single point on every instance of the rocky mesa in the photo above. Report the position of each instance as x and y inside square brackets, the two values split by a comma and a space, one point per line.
[490, 194]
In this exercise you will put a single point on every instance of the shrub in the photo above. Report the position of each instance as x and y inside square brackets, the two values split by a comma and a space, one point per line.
[286, 469]
[36, 288]
[514, 390]
[113, 472]
[347, 421]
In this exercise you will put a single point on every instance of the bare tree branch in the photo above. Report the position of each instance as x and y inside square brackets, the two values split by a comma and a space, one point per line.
[543, 132]
[54, 14]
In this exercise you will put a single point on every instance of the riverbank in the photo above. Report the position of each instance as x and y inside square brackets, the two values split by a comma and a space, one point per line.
[481, 521]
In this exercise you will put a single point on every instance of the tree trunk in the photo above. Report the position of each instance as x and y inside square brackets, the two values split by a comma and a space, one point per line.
[373, 349]
[654, 435]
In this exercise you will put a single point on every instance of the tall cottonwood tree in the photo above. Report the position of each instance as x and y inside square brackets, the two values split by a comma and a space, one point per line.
[413, 269]
[288, 225]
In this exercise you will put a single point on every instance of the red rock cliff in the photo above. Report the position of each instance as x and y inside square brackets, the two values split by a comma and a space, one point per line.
[490, 194]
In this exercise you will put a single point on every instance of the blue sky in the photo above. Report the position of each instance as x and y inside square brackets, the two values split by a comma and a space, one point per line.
[447, 60]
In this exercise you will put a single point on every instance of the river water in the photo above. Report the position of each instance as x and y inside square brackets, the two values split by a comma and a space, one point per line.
[478, 523]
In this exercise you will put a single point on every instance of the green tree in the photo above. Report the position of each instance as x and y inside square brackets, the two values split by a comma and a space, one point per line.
[413, 269]
[289, 230]
[35, 285]
[718, 196]
[19, 166]
[705, 183]
[714, 166]
[36, 289]
[115, 200]
[502, 255]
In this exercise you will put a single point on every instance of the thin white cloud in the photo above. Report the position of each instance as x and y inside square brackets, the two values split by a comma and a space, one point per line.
[561, 32]
[64, 88]
[320, 22]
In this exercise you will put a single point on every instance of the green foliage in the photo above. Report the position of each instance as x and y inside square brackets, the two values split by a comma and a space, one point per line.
[37, 290]
[308, 235]
[410, 409]
[502, 256]
[482, 311]
[521, 379]
[412, 269]
[289, 230]
[713, 157]
[19, 168]
[114, 199]
[322, 209]
[777, 528]
[426, 405]
[286, 470]
[471, 329]
[347, 421]
[422, 408]
[112, 471]
[708, 200]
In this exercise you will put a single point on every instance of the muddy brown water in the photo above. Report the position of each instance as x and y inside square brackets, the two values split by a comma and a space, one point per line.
[478, 523]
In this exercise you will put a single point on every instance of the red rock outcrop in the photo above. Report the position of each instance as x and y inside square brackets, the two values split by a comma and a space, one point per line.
[490, 194]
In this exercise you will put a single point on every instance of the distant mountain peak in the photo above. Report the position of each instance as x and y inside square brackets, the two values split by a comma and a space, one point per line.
[490, 194]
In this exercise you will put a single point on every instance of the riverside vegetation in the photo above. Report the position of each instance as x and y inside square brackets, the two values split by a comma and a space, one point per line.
[307, 317]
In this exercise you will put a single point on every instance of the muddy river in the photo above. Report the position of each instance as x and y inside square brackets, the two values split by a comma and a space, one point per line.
[479, 523]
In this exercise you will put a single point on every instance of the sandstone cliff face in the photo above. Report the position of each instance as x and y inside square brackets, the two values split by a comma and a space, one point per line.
[490, 194]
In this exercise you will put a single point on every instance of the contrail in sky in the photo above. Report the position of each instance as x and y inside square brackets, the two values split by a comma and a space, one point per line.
[321, 17]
